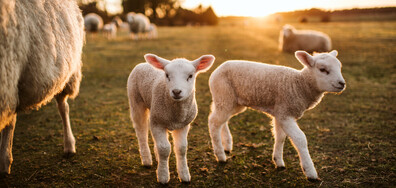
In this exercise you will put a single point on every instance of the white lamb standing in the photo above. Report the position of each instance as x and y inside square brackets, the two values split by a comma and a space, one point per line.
[162, 97]
[93, 23]
[139, 24]
[110, 30]
[40, 58]
[281, 92]
[291, 40]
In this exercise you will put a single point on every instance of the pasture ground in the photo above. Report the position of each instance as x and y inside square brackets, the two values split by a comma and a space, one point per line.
[351, 136]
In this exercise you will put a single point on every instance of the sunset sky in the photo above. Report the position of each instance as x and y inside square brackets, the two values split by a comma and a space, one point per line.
[258, 8]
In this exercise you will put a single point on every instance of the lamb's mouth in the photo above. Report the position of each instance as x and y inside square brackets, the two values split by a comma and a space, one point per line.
[177, 98]
[340, 88]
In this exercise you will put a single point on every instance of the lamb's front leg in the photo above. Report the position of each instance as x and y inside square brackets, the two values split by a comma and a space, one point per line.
[180, 148]
[290, 127]
[163, 148]
[280, 136]
[7, 136]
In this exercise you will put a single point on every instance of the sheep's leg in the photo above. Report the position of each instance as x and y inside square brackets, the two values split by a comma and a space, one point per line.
[226, 138]
[216, 120]
[280, 136]
[290, 127]
[68, 138]
[163, 147]
[180, 148]
[140, 122]
[7, 136]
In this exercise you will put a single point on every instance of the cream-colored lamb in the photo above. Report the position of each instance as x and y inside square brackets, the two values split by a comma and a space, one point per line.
[291, 40]
[281, 92]
[162, 97]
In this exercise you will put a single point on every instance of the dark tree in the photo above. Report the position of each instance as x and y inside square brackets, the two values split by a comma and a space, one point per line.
[210, 17]
[138, 6]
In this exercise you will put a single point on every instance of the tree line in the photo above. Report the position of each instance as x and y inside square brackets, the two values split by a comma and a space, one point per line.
[161, 12]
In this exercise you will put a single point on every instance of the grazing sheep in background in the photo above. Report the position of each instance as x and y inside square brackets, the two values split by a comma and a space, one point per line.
[110, 30]
[152, 32]
[162, 97]
[138, 24]
[281, 92]
[40, 58]
[291, 40]
[93, 23]
[117, 20]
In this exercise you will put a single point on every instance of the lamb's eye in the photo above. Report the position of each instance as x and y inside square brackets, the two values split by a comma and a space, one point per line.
[167, 76]
[190, 76]
[324, 71]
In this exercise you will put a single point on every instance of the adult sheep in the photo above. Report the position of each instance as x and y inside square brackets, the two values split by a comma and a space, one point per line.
[291, 40]
[40, 58]
[281, 92]
[138, 24]
[93, 23]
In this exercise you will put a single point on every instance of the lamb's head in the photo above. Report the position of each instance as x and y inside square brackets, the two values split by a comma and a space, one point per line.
[325, 69]
[287, 31]
[180, 74]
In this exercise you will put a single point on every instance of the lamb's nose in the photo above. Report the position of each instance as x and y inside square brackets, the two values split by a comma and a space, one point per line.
[176, 92]
[341, 83]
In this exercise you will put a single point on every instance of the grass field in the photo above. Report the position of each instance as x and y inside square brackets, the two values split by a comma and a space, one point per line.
[351, 136]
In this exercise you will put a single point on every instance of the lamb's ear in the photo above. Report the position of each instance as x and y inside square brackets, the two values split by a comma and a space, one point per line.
[156, 61]
[334, 53]
[305, 58]
[203, 63]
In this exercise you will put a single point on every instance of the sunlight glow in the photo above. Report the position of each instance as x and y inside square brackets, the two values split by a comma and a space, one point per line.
[260, 8]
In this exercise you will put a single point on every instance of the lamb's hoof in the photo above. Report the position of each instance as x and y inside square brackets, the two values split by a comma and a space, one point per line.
[227, 151]
[68, 155]
[186, 182]
[314, 180]
[280, 168]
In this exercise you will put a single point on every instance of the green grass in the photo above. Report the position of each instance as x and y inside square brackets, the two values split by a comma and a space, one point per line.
[351, 136]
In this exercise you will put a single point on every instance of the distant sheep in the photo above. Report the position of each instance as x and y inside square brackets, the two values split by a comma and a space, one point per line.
[40, 58]
[162, 97]
[117, 21]
[139, 24]
[281, 92]
[93, 23]
[152, 32]
[110, 30]
[291, 40]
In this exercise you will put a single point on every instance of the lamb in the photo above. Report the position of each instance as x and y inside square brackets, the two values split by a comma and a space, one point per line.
[93, 23]
[281, 92]
[138, 24]
[162, 97]
[291, 40]
[40, 58]
[110, 30]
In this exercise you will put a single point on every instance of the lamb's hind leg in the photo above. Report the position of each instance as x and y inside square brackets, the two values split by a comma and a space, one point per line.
[7, 135]
[139, 115]
[217, 119]
[280, 136]
[69, 141]
[226, 137]
[290, 127]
